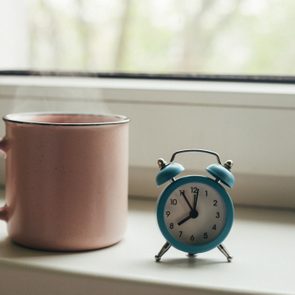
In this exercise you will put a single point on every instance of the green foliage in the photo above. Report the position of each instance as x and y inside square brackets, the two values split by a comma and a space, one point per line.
[168, 36]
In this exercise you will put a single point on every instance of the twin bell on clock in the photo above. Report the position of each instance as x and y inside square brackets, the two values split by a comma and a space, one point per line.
[195, 213]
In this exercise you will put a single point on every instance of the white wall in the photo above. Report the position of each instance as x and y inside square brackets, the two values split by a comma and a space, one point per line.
[249, 123]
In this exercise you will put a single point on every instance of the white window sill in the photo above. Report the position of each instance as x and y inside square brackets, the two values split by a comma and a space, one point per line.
[262, 243]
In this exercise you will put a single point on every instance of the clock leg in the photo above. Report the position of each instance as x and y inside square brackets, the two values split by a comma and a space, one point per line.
[163, 250]
[225, 253]
[191, 255]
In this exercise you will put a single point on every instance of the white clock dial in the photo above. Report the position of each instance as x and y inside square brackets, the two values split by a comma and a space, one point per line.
[195, 213]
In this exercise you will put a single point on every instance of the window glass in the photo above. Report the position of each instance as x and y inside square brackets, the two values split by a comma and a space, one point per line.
[138, 36]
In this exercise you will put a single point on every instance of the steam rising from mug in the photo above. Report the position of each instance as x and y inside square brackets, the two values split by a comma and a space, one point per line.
[58, 98]
[56, 95]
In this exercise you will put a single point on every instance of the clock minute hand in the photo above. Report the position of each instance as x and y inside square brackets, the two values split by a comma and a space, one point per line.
[182, 193]
[196, 196]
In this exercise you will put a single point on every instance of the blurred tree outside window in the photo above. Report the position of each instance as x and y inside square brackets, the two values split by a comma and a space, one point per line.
[149, 36]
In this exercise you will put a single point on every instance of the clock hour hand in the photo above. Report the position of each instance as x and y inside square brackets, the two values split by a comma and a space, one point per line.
[184, 220]
[193, 214]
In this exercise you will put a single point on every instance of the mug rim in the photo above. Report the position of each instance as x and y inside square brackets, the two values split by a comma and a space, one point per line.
[23, 118]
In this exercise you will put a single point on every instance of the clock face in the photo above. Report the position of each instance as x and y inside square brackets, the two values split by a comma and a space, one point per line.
[195, 213]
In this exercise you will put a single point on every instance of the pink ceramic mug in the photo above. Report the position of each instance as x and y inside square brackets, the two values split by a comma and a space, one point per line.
[66, 180]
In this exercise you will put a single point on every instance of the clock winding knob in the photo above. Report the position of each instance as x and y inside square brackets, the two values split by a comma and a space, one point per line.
[228, 164]
[161, 163]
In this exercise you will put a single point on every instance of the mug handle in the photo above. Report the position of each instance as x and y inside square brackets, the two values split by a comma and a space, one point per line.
[3, 210]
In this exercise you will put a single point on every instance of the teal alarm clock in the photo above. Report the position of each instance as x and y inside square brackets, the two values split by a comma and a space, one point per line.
[195, 213]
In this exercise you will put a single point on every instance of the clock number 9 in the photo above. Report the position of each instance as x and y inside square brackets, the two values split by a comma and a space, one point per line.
[167, 213]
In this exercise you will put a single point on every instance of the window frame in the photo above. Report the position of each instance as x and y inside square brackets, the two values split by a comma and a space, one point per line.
[281, 79]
